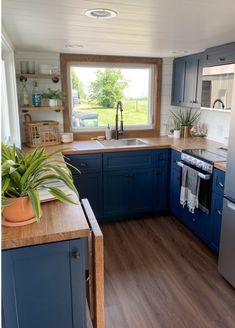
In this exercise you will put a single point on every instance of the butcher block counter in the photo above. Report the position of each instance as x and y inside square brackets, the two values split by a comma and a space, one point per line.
[59, 222]
[93, 146]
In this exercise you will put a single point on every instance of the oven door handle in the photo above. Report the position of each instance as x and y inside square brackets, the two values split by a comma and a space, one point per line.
[201, 175]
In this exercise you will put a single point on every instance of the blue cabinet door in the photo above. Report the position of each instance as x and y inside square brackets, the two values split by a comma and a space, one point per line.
[141, 191]
[216, 220]
[160, 190]
[220, 55]
[90, 186]
[193, 77]
[175, 192]
[116, 193]
[178, 82]
[187, 80]
[44, 286]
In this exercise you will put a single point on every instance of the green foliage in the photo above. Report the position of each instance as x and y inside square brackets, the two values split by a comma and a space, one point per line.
[53, 94]
[185, 117]
[77, 84]
[24, 173]
[108, 88]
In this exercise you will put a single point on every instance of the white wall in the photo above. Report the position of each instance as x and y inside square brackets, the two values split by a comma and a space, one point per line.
[217, 124]
[52, 59]
[167, 69]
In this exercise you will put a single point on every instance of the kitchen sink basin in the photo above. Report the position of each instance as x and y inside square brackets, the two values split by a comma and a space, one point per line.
[113, 143]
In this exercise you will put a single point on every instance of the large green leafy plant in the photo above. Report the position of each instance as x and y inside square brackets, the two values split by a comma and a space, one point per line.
[23, 173]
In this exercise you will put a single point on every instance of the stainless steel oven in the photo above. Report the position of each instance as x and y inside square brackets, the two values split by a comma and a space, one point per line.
[202, 160]
[205, 171]
[205, 174]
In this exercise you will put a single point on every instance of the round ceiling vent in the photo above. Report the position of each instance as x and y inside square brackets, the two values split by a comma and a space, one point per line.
[101, 13]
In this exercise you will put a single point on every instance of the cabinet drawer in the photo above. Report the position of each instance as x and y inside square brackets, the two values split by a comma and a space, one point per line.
[221, 55]
[85, 163]
[161, 157]
[127, 160]
[218, 182]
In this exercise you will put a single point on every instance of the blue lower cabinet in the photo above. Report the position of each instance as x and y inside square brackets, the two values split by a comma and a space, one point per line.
[90, 186]
[116, 193]
[216, 220]
[127, 192]
[175, 186]
[199, 223]
[160, 189]
[44, 286]
[141, 191]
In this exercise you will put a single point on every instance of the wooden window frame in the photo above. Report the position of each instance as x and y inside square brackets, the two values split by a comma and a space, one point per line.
[67, 59]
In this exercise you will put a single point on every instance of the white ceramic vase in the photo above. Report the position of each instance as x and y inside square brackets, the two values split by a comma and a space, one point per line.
[176, 134]
[53, 102]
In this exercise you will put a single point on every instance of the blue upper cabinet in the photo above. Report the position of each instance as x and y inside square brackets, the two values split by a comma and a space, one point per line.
[220, 55]
[187, 77]
[193, 81]
[44, 286]
[178, 82]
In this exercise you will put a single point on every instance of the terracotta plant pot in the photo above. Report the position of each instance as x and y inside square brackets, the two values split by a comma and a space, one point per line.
[19, 210]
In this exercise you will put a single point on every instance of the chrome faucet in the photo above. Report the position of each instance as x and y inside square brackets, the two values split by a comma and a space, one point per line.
[118, 131]
[218, 100]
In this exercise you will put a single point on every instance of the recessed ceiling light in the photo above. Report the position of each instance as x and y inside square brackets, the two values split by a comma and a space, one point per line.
[73, 46]
[101, 13]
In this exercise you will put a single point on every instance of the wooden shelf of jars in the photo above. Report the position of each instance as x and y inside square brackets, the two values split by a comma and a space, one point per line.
[55, 108]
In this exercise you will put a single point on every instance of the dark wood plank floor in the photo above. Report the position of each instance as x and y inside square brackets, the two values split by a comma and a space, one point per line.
[157, 274]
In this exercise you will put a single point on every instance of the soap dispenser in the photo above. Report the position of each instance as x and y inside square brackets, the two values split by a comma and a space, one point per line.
[108, 133]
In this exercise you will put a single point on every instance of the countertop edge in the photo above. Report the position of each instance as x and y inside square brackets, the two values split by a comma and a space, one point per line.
[40, 240]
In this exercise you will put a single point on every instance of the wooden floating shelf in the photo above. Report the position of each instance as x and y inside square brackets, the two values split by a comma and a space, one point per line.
[39, 76]
[56, 108]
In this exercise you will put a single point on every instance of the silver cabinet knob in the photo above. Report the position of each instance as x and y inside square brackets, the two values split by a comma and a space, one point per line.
[76, 255]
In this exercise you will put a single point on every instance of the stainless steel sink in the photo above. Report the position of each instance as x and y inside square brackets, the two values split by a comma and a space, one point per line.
[113, 143]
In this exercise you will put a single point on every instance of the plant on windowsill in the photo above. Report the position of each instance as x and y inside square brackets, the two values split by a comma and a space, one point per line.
[186, 119]
[53, 96]
[22, 175]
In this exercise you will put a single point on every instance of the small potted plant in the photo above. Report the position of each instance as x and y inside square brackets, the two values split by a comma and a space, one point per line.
[23, 174]
[53, 97]
[177, 127]
[186, 119]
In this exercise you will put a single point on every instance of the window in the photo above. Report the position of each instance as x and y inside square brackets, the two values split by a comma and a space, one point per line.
[95, 90]
[10, 128]
[94, 84]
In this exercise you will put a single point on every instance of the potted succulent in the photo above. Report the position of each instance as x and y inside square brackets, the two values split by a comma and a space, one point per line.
[22, 175]
[53, 96]
[186, 119]
[177, 127]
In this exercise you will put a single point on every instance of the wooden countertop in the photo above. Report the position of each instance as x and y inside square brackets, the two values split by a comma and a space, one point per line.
[93, 146]
[221, 166]
[59, 222]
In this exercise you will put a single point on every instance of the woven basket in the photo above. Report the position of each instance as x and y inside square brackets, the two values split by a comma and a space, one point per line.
[41, 133]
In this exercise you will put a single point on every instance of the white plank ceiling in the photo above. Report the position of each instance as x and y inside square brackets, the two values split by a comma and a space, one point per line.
[156, 28]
